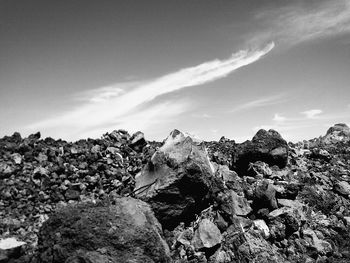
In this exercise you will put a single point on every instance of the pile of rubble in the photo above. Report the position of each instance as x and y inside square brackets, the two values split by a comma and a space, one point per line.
[38, 175]
[121, 199]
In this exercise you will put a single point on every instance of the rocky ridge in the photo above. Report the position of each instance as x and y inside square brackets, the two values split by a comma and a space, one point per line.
[263, 200]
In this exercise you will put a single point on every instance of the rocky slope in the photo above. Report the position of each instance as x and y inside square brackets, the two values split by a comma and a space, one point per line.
[263, 200]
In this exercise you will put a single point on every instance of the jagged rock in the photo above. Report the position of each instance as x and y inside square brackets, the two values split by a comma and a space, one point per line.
[317, 174]
[124, 232]
[250, 246]
[17, 158]
[262, 227]
[259, 169]
[264, 196]
[286, 220]
[207, 235]
[6, 170]
[34, 137]
[138, 141]
[339, 132]
[266, 146]
[240, 224]
[225, 174]
[321, 154]
[231, 204]
[321, 246]
[176, 180]
[10, 248]
[342, 188]
[72, 194]
[256, 249]
[96, 149]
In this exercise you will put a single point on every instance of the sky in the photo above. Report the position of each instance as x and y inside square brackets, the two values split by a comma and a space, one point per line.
[77, 69]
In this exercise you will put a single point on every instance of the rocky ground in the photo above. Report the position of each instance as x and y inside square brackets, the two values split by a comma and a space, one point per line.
[124, 199]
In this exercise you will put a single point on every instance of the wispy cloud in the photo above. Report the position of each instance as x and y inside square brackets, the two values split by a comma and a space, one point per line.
[279, 118]
[260, 102]
[118, 103]
[303, 21]
[159, 115]
[312, 114]
[202, 116]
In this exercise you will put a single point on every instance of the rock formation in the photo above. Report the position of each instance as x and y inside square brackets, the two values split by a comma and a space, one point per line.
[177, 179]
[259, 201]
[126, 231]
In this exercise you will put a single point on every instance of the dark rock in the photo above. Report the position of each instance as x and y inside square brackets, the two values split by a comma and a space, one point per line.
[250, 246]
[72, 194]
[124, 232]
[321, 154]
[266, 146]
[34, 137]
[231, 204]
[264, 196]
[138, 141]
[177, 180]
[340, 127]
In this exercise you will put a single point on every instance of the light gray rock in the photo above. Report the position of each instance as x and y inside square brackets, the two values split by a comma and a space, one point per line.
[207, 235]
[233, 204]
[262, 227]
[342, 187]
[10, 248]
[320, 245]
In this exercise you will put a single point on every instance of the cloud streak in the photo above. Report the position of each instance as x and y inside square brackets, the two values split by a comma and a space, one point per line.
[296, 23]
[108, 106]
[261, 102]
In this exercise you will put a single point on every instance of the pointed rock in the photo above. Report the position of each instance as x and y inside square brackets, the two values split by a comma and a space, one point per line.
[177, 179]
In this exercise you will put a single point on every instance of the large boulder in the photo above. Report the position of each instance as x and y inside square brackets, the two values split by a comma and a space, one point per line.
[124, 232]
[336, 133]
[177, 180]
[266, 146]
[10, 248]
[342, 188]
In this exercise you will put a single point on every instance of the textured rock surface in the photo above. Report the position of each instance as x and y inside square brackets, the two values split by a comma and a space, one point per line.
[10, 249]
[339, 132]
[266, 146]
[37, 175]
[207, 235]
[124, 232]
[177, 179]
[287, 210]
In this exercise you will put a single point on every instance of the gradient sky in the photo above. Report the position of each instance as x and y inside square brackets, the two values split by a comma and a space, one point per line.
[77, 69]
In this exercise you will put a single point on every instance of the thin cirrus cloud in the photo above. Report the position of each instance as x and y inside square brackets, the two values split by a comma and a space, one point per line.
[300, 22]
[120, 103]
[260, 102]
[312, 114]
